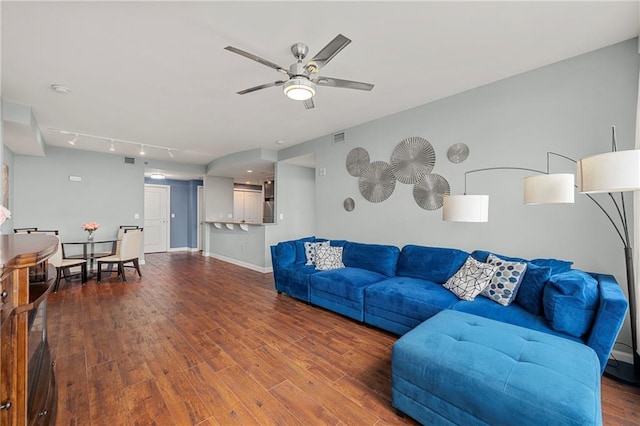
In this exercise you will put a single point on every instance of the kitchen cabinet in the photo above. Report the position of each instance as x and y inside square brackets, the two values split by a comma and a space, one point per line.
[247, 206]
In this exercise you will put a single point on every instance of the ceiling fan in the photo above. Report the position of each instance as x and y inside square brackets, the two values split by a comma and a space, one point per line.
[303, 77]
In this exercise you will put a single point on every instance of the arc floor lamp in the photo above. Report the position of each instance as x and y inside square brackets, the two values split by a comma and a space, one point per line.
[612, 173]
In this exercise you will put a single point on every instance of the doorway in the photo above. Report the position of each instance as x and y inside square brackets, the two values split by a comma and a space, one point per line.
[156, 214]
[200, 219]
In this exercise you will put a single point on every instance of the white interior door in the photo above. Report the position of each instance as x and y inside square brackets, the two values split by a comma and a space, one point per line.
[200, 208]
[156, 214]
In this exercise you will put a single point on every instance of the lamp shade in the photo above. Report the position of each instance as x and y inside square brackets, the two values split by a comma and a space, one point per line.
[616, 171]
[466, 208]
[557, 188]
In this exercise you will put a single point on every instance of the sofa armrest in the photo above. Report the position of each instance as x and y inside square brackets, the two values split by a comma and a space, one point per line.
[612, 311]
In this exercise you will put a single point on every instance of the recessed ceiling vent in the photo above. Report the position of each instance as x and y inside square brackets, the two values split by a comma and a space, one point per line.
[129, 160]
[338, 137]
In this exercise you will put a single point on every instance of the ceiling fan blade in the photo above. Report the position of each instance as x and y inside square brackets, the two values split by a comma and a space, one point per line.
[330, 50]
[257, 59]
[262, 86]
[308, 104]
[346, 84]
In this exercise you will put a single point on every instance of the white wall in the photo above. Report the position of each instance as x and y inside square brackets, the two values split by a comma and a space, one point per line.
[566, 107]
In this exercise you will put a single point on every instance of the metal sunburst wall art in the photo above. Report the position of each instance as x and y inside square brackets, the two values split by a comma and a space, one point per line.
[357, 159]
[457, 153]
[377, 181]
[412, 162]
[429, 194]
[413, 159]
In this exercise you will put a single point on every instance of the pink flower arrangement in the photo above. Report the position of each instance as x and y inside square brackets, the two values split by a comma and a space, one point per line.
[90, 226]
[4, 214]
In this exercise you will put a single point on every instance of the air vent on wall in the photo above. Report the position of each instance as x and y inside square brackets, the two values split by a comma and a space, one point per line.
[338, 137]
[129, 160]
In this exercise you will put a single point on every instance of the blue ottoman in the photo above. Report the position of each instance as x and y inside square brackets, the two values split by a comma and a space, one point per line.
[458, 368]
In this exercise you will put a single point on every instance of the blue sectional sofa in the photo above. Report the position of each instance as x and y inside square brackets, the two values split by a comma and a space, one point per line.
[396, 290]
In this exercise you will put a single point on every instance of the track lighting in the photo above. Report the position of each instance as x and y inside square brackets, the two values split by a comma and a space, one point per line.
[112, 141]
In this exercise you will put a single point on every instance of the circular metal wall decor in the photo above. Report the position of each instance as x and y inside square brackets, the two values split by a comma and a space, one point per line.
[357, 159]
[377, 182]
[349, 204]
[412, 159]
[429, 194]
[458, 152]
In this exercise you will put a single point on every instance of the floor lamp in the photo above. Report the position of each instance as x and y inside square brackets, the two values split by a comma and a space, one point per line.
[617, 171]
[612, 172]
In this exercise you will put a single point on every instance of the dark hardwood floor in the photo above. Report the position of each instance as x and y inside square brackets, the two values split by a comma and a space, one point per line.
[201, 341]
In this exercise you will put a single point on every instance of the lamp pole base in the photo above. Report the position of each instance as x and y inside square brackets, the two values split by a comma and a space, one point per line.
[623, 372]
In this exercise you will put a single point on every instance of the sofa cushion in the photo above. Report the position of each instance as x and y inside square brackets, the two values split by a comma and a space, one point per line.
[505, 283]
[532, 288]
[557, 266]
[346, 282]
[405, 302]
[382, 259]
[530, 292]
[433, 264]
[483, 255]
[299, 243]
[327, 258]
[570, 302]
[294, 280]
[458, 369]
[470, 279]
[310, 250]
[514, 314]
[285, 253]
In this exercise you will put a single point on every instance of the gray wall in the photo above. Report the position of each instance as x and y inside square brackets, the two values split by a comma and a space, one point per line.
[110, 193]
[218, 198]
[7, 158]
[566, 107]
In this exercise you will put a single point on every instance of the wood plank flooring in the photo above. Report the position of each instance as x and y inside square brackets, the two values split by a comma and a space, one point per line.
[198, 341]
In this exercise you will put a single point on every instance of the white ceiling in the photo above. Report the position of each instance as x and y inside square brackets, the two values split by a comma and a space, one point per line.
[157, 73]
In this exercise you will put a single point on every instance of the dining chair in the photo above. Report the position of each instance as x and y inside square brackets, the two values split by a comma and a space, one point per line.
[43, 231]
[121, 231]
[63, 266]
[129, 252]
[23, 230]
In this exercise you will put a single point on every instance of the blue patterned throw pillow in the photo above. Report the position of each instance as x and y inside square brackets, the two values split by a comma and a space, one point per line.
[505, 282]
[310, 250]
[470, 279]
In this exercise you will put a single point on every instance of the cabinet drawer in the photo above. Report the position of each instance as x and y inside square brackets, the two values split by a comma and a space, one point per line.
[6, 296]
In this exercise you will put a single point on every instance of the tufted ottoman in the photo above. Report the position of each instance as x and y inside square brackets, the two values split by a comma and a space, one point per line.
[458, 368]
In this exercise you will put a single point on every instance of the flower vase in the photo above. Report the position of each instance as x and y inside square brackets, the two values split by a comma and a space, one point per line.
[90, 237]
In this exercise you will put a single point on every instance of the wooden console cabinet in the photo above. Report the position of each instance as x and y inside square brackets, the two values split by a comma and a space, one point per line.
[27, 384]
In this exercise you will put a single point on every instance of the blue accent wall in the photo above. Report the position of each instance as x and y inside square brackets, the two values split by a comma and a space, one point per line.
[184, 205]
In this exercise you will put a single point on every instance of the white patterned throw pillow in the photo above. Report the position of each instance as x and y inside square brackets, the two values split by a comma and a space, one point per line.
[470, 279]
[328, 258]
[310, 250]
[505, 282]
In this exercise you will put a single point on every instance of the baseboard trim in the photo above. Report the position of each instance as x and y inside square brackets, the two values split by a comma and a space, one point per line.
[178, 249]
[247, 265]
[622, 356]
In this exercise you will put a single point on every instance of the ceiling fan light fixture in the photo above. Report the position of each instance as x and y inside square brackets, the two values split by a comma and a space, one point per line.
[299, 89]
